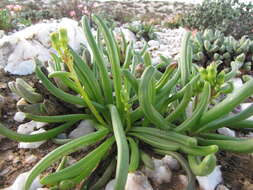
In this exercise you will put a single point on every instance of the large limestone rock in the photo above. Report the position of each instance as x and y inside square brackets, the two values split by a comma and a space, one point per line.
[18, 50]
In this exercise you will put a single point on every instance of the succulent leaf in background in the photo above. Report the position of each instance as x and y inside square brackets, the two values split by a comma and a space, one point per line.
[134, 108]
[142, 30]
[210, 45]
[5, 20]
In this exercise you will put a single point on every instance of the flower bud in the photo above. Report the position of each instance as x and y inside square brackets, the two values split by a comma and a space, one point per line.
[63, 37]
[55, 40]
[203, 73]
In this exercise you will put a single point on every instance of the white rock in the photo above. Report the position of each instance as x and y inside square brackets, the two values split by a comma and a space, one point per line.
[156, 60]
[226, 131]
[19, 117]
[164, 47]
[152, 49]
[152, 43]
[245, 106]
[183, 180]
[18, 50]
[5, 171]
[138, 45]
[137, 181]
[110, 185]
[32, 145]
[30, 126]
[211, 181]
[40, 124]
[237, 83]
[20, 68]
[27, 128]
[84, 128]
[160, 174]
[189, 109]
[31, 159]
[20, 182]
[129, 35]
[171, 162]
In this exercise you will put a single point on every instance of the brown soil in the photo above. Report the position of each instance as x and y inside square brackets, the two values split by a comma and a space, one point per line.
[237, 170]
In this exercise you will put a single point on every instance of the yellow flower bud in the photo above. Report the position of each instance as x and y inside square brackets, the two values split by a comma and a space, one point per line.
[55, 41]
[64, 37]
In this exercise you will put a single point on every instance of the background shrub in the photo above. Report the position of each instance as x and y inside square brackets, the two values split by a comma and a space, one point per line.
[229, 16]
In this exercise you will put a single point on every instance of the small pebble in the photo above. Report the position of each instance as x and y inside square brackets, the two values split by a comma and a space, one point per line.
[40, 124]
[5, 171]
[27, 128]
[160, 174]
[19, 117]
[226, 131]
[245, 106]
[20, 182]
[137, 181]
[211, 181]
[110, 185]
[237, 83]
[32, 145]
[171, 162]
[84, 128]
[62, 136]
[31, 159]
[183, 180]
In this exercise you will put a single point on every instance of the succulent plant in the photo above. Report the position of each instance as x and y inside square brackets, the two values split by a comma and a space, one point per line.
[135, 113]
[5, 20]
[142, 30]
[212, 45]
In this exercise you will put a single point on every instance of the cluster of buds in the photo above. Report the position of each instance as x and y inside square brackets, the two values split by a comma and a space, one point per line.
[215, 78]
[211, 75]
[59, 42]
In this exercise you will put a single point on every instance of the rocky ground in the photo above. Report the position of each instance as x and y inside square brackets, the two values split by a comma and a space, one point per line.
[16, 53]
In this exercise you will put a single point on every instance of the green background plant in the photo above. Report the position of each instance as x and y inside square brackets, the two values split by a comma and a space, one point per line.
[229, 16]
